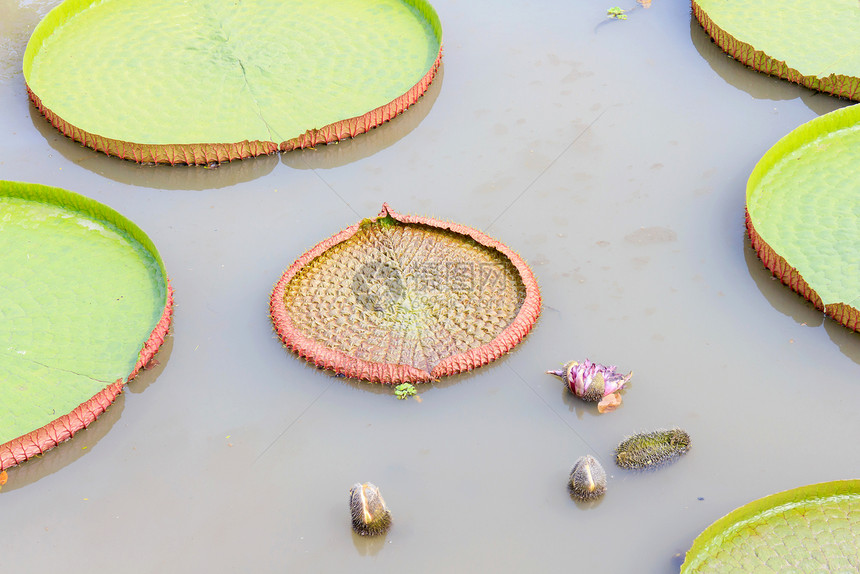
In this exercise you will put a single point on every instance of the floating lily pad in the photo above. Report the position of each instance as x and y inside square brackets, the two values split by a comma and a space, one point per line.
[815, 44]
[214, 80]
[401, 298]
[803, 212]
[84, 304]
[808, 529]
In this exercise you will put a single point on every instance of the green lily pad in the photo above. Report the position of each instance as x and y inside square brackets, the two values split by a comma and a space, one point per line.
[84, 304]
[803, 212]
[815, 44]
[808, 529]
[402, 298]
[213, 80]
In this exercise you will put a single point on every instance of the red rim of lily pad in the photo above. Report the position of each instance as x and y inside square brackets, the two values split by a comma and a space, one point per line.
[63, 428]
[322, 355]
[803, 143]
[204, 153]
[843, 85]
[841, 312]
[47, 436]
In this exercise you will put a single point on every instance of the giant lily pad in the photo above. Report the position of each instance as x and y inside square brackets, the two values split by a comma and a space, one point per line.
[808, 529]
[803, 212]
[213, 80]
[404, 298]
[815, 44]
[84, 304]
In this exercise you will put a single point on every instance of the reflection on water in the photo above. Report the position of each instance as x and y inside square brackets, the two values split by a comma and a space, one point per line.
[578, 406]
[161, 176]
[757, 84]
[65, 453]
[586, 505]
[369, 545]
[147, 376]
[83, 442]
[793, 305]
[848, 341]
[780, 296]
[365, 145]
[240, 171]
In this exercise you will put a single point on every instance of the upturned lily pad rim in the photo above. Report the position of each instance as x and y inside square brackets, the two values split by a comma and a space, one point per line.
[701, 548]
[843, 312]
[391, 373]
[36, 442]
[842, 85]
[204, 153]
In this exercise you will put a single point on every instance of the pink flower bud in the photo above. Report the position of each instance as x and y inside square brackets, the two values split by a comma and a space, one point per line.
[591, 381]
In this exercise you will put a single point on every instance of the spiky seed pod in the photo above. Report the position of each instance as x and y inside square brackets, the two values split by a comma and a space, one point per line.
[370, 515]
[587, 479]
[647, 450]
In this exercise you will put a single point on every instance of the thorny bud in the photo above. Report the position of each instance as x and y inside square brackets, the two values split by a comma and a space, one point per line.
[370, 515]
[652, 449]
[587, 479]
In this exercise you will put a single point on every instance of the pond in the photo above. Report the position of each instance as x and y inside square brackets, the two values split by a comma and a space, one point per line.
[613, 157]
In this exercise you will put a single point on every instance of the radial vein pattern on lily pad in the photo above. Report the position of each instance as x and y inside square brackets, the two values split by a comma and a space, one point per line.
[808, 529]
[84, 305]
[815, 44]
[803, 212]
[214, 80]
[405, 298]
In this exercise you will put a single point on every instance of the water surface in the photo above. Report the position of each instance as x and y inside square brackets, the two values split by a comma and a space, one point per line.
[613, 156]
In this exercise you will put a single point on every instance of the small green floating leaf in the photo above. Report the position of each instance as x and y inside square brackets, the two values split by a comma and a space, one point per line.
[405, 390]
[617, 13]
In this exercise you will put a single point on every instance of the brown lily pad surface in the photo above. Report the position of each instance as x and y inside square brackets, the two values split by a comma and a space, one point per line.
[404, 298]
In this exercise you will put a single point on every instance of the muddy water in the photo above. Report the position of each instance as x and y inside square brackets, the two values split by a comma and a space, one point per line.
[613, 157]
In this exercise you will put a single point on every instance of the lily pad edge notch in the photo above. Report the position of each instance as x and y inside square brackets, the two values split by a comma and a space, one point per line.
[390, 373]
